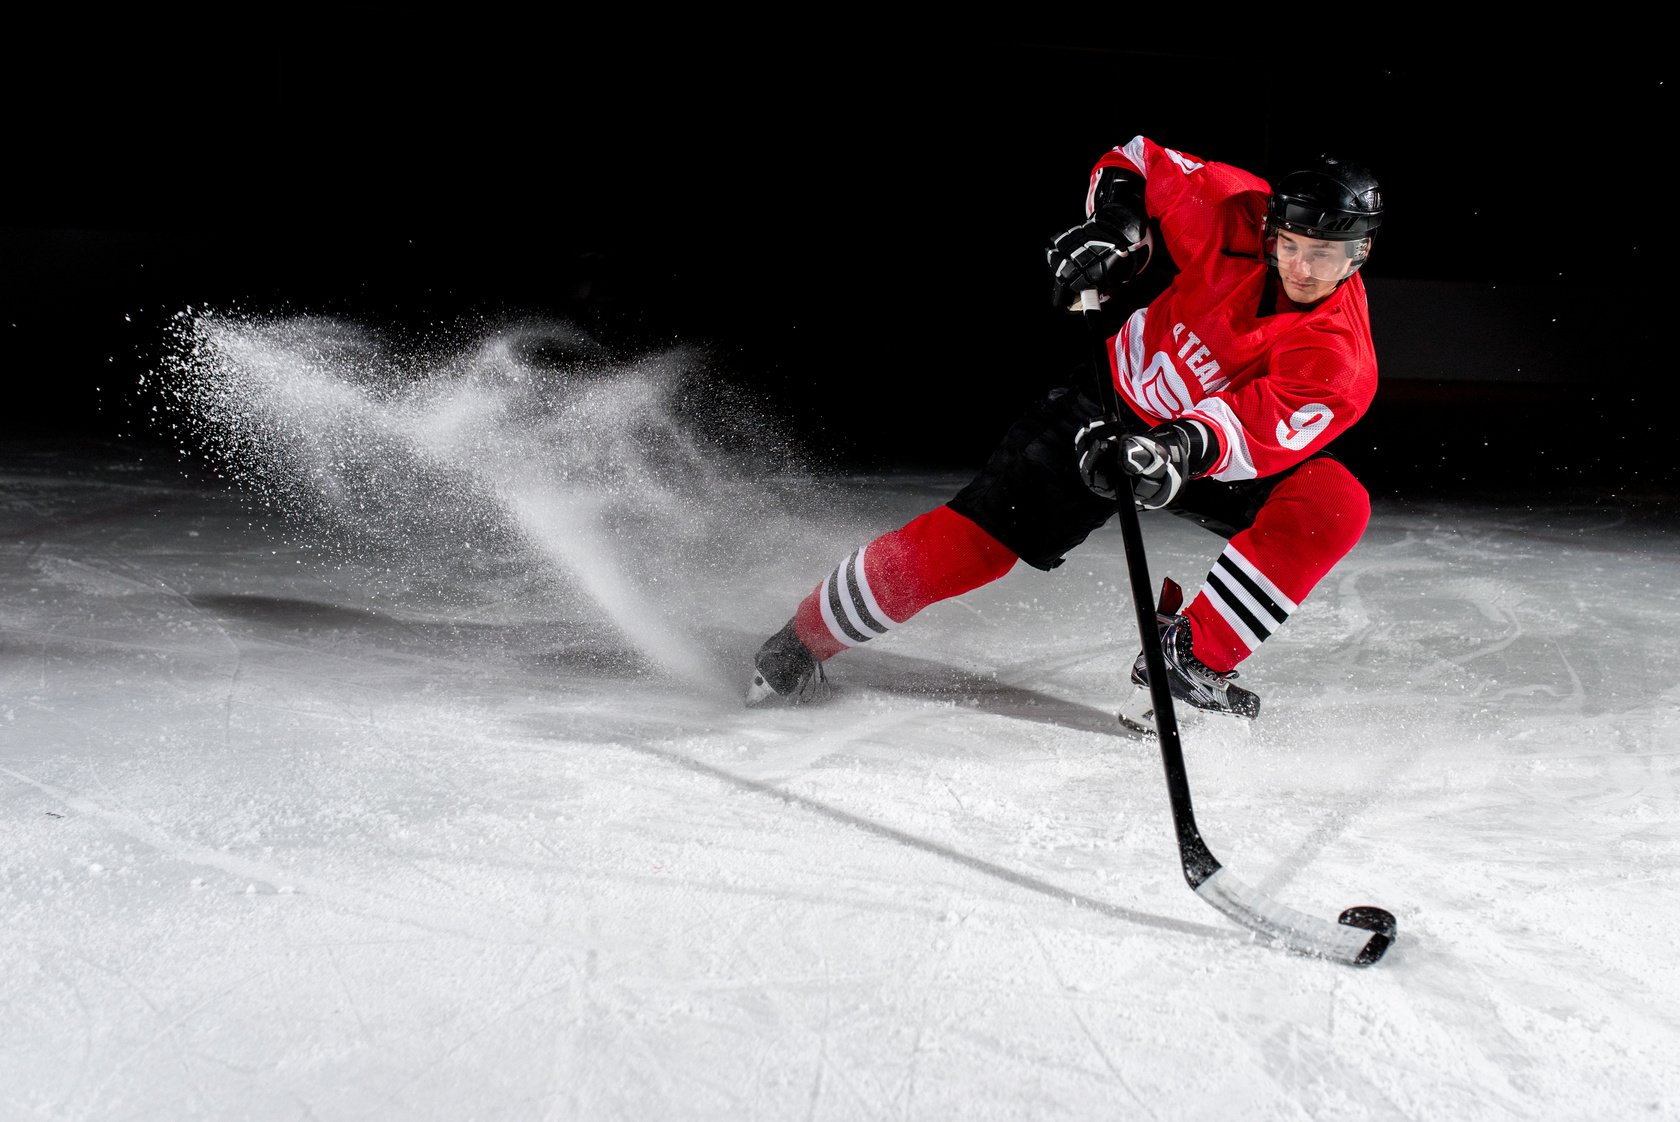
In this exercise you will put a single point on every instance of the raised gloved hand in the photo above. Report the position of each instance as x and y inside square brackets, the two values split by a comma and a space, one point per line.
[1102, 253]
[1156, 463]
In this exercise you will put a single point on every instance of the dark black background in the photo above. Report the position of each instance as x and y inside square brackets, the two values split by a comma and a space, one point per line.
[851, 220]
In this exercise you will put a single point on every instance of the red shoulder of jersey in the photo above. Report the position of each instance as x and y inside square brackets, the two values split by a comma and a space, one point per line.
[1202, 206]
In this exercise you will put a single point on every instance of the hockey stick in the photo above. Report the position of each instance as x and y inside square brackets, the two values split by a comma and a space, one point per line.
[1361, 934]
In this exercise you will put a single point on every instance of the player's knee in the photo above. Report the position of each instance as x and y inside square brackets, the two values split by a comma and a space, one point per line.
[1342, 501]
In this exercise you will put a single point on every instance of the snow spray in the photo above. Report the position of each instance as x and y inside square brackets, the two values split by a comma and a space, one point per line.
[612, 489]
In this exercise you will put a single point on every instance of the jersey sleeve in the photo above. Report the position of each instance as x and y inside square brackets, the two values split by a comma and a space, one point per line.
[1196, 202]
[1312, 392]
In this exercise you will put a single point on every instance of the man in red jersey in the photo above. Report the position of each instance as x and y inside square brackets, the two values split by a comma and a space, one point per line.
[1231, 383]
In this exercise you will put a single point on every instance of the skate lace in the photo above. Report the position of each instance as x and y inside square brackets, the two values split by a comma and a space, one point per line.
[1204, 669]
[812, 684]
[1187, 657]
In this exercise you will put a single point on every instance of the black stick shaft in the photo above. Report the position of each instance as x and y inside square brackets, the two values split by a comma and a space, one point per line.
[1199, 863]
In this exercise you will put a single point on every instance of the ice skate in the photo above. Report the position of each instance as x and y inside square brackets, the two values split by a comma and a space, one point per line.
[785, 671]
[1189, 679]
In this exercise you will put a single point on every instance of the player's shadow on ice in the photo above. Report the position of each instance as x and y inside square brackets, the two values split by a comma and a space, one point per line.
[545, 646]
[931, 681]
[303, 615]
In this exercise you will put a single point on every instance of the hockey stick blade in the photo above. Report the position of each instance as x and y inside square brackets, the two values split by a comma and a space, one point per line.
[1358, 938]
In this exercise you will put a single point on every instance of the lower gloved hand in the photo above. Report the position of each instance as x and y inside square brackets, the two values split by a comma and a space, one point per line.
[1103, 254]
[1152, 465]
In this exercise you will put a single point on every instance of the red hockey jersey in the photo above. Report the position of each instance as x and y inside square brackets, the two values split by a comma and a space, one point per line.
[1274, 387]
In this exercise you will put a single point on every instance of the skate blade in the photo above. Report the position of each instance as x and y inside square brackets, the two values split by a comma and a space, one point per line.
[1137, 712]
[760, 693]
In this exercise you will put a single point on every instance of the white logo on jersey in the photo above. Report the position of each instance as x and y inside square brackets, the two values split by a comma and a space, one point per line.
[1307, 422]
[1162, 388]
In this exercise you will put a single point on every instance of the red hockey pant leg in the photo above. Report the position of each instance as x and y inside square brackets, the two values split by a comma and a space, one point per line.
[1310, 522]
[933, 557]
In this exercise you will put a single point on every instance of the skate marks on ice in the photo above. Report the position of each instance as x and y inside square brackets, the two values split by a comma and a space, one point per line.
[516, 471]
[438, 913]
[988, 868]
[1510, 610]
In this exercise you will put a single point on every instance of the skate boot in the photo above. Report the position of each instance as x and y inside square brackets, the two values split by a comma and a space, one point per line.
[785, 670]
[1189, 679]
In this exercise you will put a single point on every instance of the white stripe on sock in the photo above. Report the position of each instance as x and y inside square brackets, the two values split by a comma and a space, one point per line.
[887, 622]
[1259, 578]
[825, 603]
[1230, 616]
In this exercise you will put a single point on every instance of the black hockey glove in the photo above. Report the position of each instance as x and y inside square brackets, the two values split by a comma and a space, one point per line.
[1103, 253]
[1157, 463]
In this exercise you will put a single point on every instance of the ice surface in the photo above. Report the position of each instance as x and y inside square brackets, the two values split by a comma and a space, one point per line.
[454, 811]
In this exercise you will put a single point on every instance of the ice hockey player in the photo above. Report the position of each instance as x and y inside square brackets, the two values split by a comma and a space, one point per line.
[1234, 381]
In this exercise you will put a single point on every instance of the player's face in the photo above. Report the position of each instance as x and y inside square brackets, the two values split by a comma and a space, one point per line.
[1309, 267]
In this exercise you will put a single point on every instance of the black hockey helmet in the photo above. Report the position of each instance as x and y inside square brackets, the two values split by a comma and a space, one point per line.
[1329, 200]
